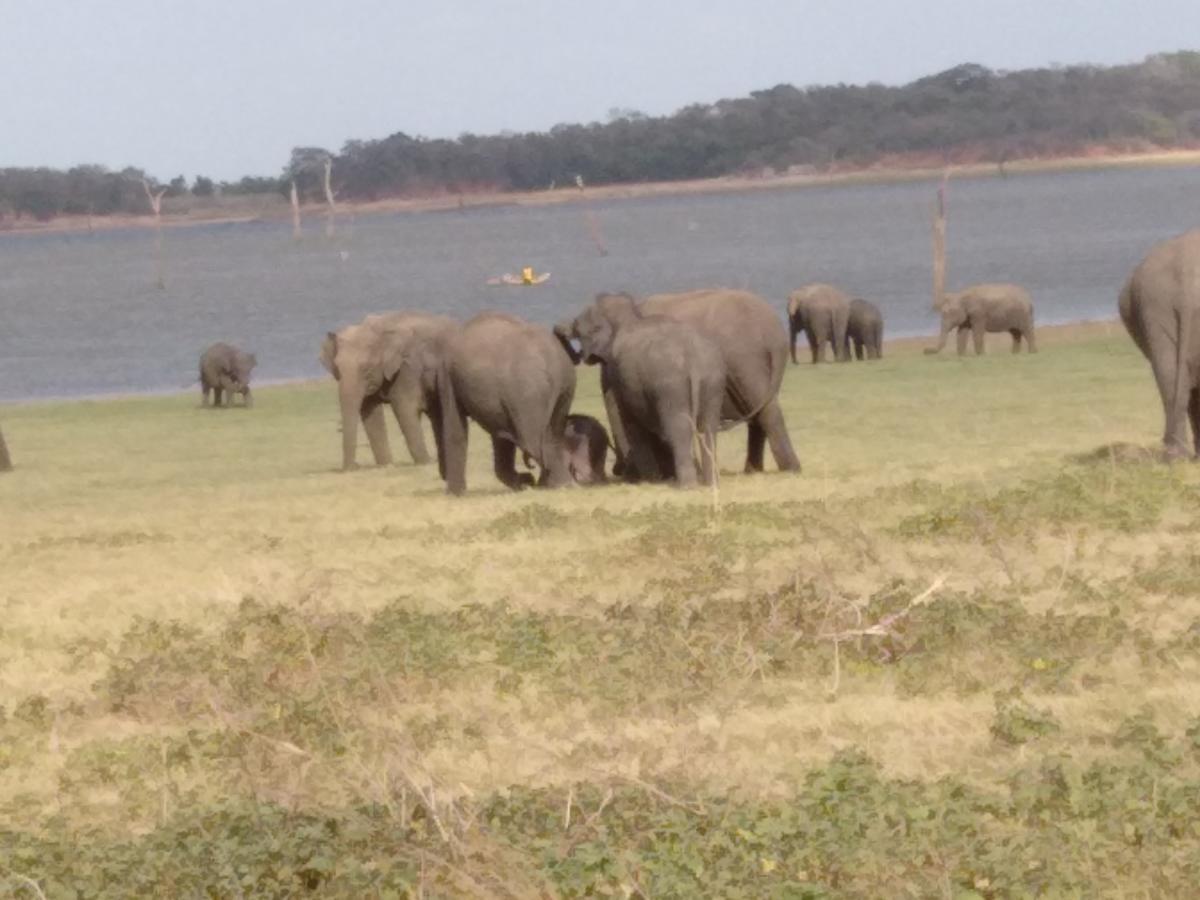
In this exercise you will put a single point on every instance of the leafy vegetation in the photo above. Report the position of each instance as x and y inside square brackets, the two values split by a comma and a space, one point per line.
[939, 663]
[966, 113]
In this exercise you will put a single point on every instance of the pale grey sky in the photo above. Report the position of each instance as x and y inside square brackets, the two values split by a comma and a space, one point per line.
[227, 87]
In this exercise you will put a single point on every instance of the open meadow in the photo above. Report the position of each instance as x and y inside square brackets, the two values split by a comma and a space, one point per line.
[956, 657]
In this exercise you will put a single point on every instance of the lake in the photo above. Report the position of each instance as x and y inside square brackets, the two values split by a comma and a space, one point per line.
[81, 314]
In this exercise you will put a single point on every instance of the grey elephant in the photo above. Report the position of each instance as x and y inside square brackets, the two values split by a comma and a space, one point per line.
[586, 444]
[225, 368]
[822, 312]
[864, 329]
[514, 380]
[983, 308]
[5, 459]
[753, 346]
[668, 379]
[393, 359]
[1159, 306]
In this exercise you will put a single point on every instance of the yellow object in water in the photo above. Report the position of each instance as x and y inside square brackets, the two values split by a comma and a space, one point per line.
[527, 275]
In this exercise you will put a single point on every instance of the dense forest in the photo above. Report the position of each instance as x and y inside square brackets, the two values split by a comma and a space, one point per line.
[967, 112]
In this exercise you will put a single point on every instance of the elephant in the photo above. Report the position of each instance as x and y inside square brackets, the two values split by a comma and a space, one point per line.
[822, 312]
[668, 379]
[864, 329]
[753, 345]
[513, 379]
[5, 459]
[224, 367]
[388, 358]
[1158, 305]
[586, 444]
[987, 307]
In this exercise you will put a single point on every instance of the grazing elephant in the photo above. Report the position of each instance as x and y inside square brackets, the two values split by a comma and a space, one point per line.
[388, 358]
[5, 459]
[668, 379]
[822, 312]
[983, 308]
[865, 330]
[1159, 305]
[513, 379]
[753, 345]
[224, 367]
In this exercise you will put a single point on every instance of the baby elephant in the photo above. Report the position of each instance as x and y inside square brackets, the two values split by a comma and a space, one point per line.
[225, 368]
[864, 329]
[586, 444]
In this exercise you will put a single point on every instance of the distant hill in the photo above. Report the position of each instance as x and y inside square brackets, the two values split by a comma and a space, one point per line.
[967, 113]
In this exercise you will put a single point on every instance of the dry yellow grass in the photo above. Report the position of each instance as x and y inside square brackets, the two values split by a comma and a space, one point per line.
[155, 509]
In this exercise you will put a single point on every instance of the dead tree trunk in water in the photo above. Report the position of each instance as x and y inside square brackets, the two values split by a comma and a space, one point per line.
[592, 223]
[5, 459]
[296, 231]
[156, 206]
[939, 244]
[329, 198]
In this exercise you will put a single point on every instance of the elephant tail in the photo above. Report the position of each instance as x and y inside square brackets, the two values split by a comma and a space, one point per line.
[741, 402]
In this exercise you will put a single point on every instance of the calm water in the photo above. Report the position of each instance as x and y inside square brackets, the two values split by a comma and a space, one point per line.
[81, 314]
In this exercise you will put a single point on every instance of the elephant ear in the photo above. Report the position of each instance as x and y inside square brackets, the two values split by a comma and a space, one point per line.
[596, 341]
[391, 360]
[565, 331]
[329, 348]
[793, 303]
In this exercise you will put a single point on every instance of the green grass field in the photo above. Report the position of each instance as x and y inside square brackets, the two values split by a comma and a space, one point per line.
[956, 657]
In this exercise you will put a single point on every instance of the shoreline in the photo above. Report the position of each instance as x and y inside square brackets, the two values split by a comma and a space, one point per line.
[888, 171]
[906, 344]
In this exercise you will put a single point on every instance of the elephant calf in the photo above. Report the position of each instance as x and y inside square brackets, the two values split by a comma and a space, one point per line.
[586, 445]
[225, 368]
[822, 312]
[986, 307]
[668, 380]
[864, 329]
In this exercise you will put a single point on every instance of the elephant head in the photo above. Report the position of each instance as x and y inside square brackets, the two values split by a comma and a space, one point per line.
[954, 315]
[363, 363]
[243, 365]
[795, 321]
[596, 327]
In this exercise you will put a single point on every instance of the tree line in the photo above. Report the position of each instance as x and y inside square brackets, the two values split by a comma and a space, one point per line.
[967, 112]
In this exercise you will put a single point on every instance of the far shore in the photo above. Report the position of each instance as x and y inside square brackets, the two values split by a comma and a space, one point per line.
[904, 345]
[271, 208]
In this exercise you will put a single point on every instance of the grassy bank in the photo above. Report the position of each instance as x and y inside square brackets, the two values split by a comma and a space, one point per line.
[955, 657]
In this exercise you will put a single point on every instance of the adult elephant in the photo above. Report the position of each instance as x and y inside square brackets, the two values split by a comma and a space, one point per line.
[864, 329]
[1159, 305]
[5, 459]
[753, 345]
[393, 359]
[668, 378]
[822, 312]
[983, 308]
[513, 379]
[224, 367]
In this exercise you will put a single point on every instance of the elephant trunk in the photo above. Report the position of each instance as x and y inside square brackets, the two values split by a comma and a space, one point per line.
[454, 434]
[350, 399]
[941, 344]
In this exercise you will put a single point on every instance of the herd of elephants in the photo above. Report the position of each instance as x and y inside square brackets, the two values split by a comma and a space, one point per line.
[675, 369]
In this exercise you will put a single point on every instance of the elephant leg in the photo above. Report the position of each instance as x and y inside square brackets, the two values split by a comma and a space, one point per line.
[217, 396]
[435, 420]
[205, 391]
[406, 406]
[644, 462]
[841, 345]
[858, 349]
[1016, 336]
[375, 425]
[1030, 343]
[1161, 342]
[680, 432]
[504, 464]
[556, 466]
[756, 440]
[247, 398]
[814, 344]
[1194, 417]
[616, 426]
[961, 338]
[979, 332]
[770, 421]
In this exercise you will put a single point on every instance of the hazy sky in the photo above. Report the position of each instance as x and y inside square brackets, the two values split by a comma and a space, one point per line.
[228, 87]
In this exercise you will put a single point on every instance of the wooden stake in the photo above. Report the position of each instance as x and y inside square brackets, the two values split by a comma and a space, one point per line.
[156, 205]
[939, 244]
[296, 230]
[329, 198]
